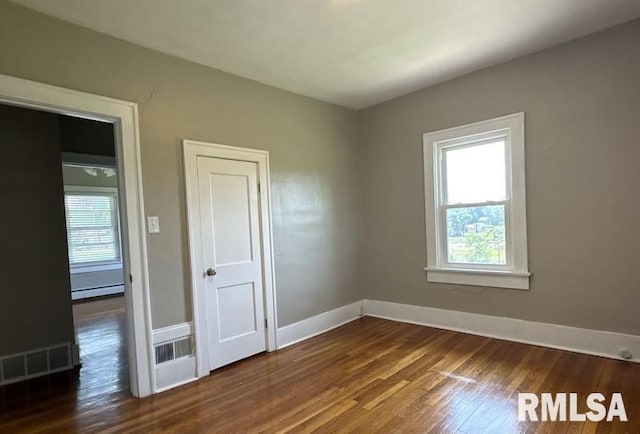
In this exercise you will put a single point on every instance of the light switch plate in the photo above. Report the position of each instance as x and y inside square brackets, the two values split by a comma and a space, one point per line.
[153, 225]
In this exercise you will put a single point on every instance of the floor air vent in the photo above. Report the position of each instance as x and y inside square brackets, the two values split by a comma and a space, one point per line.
[31, 364]
[174, 350]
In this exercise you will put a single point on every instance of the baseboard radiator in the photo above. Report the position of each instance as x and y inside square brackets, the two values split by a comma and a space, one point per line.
[35, 363]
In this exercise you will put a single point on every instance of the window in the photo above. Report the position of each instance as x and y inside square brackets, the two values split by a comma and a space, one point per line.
[475, 204]
[92, 225]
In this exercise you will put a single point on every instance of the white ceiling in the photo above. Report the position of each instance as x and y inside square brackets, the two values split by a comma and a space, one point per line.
[355, 53]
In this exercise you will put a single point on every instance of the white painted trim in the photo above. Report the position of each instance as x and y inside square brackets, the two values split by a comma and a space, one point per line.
[587, 341]
[175, 373]
[495, 279]
[310, 327]
[192, 149]
[438, 268]
[80, 294]
[179, 371]
[124, 116]
[172, 333]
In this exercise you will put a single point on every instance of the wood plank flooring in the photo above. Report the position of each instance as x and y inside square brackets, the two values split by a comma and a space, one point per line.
[101, 331]
[370, 375]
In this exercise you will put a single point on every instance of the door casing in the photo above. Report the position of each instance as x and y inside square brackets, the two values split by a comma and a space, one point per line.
[124, 117]
[193, 149]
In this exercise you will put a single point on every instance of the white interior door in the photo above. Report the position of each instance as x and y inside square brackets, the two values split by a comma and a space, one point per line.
[229, 213]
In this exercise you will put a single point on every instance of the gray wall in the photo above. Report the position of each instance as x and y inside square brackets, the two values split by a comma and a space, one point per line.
[35, 299]
[582, 104]
[313, 146]
[348, 199]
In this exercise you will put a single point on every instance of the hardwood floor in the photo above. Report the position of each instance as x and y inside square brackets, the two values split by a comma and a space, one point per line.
[370, 375]
[104, 376]
[101, 330]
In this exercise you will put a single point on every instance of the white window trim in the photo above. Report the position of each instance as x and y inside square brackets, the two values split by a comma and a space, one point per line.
[93, 266]
[516, 273]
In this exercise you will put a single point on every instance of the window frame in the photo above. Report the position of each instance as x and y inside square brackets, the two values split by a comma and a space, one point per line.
[78, 190]
[514, 274]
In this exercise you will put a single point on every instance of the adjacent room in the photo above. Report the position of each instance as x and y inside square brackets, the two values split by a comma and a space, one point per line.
[65, 227]
[330, 216]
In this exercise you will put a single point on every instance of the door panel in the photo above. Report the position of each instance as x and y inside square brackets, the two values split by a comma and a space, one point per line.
[232, 230]
[229, 213]
[236, 311]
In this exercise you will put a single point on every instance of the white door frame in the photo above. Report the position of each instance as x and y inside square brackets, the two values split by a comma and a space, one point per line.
[192, 149]
[124, 116]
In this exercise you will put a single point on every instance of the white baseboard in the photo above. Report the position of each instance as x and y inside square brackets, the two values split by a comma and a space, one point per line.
[172, 333]
[176, 372]
[97, 292]
[310, 327]
[594, 342]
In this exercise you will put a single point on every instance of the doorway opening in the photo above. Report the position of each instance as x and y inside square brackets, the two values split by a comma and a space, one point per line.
[91, 205]
[69, 225]
[117, 244]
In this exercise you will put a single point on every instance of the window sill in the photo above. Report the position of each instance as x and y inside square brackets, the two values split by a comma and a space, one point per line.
[497, 279]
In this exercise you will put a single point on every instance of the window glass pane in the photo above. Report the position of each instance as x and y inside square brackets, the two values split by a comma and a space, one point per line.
[89, 211]
[92, 231]
[476, 235]
[90, 245]
[476, 173]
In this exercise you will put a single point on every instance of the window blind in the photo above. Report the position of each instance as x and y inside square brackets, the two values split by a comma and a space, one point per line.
[92, 228]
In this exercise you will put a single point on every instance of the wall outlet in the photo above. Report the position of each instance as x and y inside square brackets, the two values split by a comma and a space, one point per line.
[153, 225]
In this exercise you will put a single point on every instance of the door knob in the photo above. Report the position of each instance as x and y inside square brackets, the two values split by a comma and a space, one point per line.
[211, 272]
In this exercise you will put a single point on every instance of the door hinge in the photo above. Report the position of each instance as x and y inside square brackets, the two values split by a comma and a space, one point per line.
[130, 278]
[266, 324]
[258, 187]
